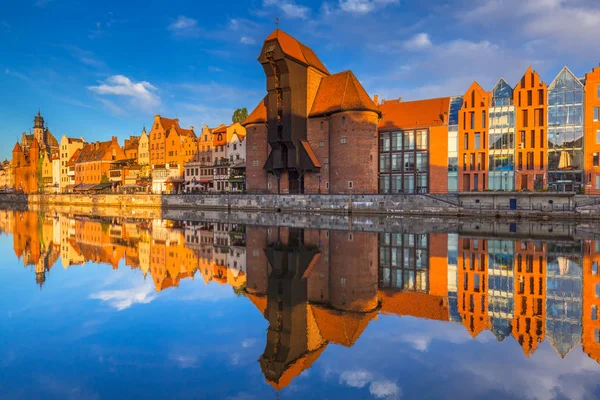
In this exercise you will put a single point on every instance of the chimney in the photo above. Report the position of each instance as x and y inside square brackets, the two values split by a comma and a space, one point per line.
[376, 99]
[399, 99]
[192, 128]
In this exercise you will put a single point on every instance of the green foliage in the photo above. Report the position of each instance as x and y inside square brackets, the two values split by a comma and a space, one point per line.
[104, 179]
[239, 115]
[40, 174]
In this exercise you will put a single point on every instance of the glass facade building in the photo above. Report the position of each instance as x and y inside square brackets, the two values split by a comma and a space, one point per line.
[565, 133]
[501, 259]
[501, 151]
[404, 261]
[455, 106]
[404, 161]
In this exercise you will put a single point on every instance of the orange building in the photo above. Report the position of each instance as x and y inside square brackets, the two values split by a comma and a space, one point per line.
[131, 148]
[169, 143]
[256, 129]
[591, 300]
[93, 162]
[472, 139]
[473, 285]
[530, 96]
[413, 146]
[529, 322]
[592, 131]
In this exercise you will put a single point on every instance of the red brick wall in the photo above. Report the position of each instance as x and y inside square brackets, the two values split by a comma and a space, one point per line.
[353, 276]
[257, 265]
[257, 150]
[315, 137]
[356, 160]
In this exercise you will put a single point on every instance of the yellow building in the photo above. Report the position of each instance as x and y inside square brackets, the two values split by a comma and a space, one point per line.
[68, 147]
[143, 149]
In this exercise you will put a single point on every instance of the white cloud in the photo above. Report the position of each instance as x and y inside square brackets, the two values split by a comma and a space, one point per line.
[185, 27]
[247, 40]
[289, 8]
[248, 343]
[384, 389]
[419, 41]
[184, 361]
[363, 6]
[356, 379]
[124, 298]
[142, 94]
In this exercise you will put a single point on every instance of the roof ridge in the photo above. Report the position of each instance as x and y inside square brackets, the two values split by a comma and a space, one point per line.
[345, 90]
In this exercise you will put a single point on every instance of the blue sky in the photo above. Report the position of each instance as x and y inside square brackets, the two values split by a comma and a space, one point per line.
[104, 68]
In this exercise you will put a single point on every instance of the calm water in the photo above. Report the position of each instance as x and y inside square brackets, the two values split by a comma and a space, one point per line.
[151, 308]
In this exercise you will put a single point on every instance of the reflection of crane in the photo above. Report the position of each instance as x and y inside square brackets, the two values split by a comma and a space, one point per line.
[565, 161]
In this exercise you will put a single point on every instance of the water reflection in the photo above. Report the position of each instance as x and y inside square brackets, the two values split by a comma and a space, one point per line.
[321, 287]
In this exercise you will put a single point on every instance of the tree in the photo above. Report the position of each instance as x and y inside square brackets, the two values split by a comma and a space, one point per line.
[239, 115]
[104, 178]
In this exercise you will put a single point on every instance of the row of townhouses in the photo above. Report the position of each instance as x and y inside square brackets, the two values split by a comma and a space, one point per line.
[166, 159]
[318, 132]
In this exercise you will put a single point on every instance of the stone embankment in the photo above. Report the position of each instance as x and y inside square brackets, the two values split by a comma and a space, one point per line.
[537, 206]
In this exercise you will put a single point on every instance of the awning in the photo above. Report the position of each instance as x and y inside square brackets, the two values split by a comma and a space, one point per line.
[101, 186]
[236, 179]
[132, 186]
[82, 187]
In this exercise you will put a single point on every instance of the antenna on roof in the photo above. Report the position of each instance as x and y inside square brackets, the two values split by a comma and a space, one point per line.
[277, 22]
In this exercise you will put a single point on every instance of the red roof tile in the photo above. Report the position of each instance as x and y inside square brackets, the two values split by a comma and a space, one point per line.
[414, 114]
[296, 50]
[259, 115]
[341, 92]
[167, 122]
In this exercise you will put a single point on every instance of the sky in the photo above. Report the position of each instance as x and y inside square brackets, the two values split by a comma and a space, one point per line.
[99, 69]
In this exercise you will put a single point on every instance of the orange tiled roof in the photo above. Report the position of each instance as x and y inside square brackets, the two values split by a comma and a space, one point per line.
[341, 327]
[168, 122]
[183, 132]
[296, 368]
[259, 302]
[258, 115]
[17, 148]
[74, 158]
[420, 305]
[341, 92]
[75, 140]
[93, 151]
[413, 114]
[311, 153]
[296, 50]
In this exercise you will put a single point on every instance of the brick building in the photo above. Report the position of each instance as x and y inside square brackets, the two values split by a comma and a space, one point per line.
[93, 163]
[68, 147]
[313, 121]
[33, 156]
[592, 131]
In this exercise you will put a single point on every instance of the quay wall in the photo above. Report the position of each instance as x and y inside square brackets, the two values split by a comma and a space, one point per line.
[484, 204]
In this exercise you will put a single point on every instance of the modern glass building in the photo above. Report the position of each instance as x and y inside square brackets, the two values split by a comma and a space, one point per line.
[404, 261]
[564, 296]
[565, 133]
[501, 259]
[404, 161]
[501, 152]
[455, 105]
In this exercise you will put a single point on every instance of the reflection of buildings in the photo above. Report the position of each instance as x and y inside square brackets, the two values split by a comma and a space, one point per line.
[318, 287]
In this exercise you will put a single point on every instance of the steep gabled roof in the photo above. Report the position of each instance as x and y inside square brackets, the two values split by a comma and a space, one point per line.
[296, 50]
[341, 92]
[168, 122]
[17, 148]
[258, 115]
[413, 114]
[74, 158]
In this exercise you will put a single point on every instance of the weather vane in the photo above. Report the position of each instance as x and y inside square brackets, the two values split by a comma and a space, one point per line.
[277, 22]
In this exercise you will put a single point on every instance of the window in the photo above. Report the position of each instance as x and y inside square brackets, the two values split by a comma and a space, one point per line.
[595, 160]
[464, 162]
[598, 136]
[343, 140]
[255, 163]
[525, 118]
[483, 119]
[321, 144]
[541, 97]
[344, 121]
[596, 113]
[322, 126]
[523, 138]
[532, 139]
[326, 185]
[472, 116]
[477, 141]
[542, 138]
[254, 147]
[466, 144]
[541, 160]
[350, 184]
[529, 98]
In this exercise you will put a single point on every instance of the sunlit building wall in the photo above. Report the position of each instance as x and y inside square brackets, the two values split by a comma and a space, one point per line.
[592, 131]
[455, 106]
[530, 96]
